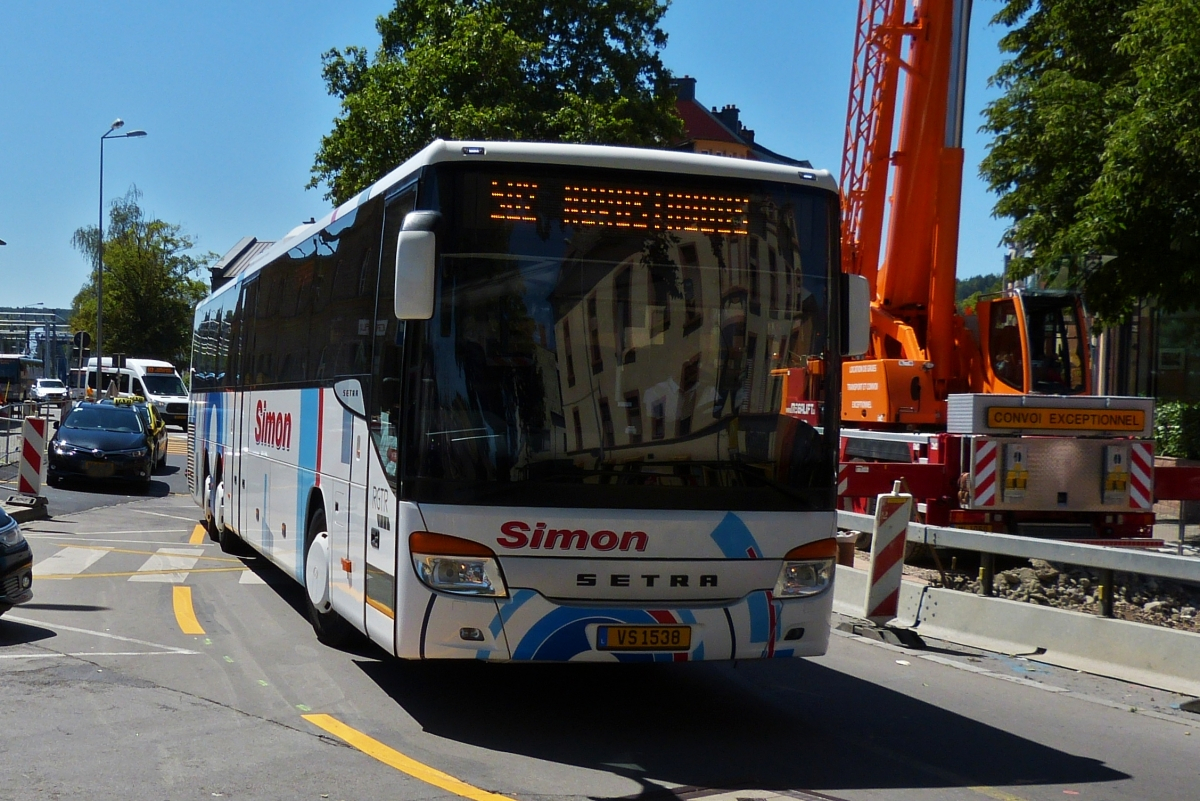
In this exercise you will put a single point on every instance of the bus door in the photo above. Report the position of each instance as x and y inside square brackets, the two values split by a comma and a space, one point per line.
[383, 417]
[348, 520]
[240, 412]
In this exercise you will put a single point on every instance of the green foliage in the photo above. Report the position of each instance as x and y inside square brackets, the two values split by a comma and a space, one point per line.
[967, 291]
[541, 70]
[1097, 146]
[1177, 429]
[978, 284]
[150, 291]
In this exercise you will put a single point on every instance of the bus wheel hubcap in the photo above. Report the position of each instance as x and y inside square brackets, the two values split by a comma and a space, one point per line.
[316, 572]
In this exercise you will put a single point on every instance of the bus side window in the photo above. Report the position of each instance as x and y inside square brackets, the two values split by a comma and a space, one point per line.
[383, 410]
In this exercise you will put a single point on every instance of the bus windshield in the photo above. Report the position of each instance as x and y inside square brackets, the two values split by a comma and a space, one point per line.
[609, 342]
[163, 384]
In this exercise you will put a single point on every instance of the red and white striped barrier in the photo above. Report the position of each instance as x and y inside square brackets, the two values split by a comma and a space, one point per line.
[892, 513]
[986, 453]
[1141, 469]
[33, 456]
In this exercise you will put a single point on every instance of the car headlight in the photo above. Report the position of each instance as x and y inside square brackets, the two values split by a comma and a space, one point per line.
[62, 448]
[136, 453]
[455, 565]
[11, 536]
[807, 570]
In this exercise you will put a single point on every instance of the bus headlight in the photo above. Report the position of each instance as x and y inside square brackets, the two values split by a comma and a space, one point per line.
[455, 565]
[807, 570]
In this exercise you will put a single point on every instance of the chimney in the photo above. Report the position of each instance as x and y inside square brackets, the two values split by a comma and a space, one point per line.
[685, 88]
[729, 118]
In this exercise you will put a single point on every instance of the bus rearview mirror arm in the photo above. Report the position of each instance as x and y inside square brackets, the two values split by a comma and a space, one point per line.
[416, 252]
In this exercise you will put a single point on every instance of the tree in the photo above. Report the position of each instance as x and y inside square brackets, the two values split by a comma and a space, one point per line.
[149, 289]
[967, 291]
[1097, 146]
[543, 70]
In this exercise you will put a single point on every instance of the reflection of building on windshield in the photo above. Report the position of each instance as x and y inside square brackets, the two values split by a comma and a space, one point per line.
[673, 352]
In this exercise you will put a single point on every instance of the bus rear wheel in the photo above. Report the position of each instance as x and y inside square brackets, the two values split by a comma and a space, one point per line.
[330, 627]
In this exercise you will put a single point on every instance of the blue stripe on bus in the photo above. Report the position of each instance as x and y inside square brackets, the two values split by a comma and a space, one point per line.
[347, 436]
[505, 609]
[734, 539]
[760, 617]
[307, 467]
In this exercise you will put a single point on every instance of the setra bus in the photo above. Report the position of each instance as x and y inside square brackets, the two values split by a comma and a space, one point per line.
[516, 401]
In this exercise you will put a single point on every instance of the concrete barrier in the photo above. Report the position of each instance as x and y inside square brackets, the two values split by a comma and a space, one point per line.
[1154, 656]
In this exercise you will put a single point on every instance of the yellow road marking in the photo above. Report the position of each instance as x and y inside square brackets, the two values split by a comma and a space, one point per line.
[992, 792]
[128, 573]
[392, 758]
[185, 616]
[197, 535]
[144, 553]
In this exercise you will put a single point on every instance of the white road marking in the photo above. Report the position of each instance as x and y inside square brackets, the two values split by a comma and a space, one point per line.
[85, 654]
[69, 561]
[250, 577]
[104, 634]
[160, 514]
[170, 559]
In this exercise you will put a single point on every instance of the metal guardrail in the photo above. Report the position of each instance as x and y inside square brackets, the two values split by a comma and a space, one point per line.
[12, 416]
[990, 545]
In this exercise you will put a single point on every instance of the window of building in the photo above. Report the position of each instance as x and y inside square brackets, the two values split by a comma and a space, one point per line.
[633, 416]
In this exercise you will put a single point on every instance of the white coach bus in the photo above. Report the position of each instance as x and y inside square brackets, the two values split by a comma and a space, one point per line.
[520, 401]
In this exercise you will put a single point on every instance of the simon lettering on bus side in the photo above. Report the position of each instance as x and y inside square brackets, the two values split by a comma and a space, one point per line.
[272, 429]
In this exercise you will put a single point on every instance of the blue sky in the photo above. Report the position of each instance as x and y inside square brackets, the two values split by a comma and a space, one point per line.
[231, 96]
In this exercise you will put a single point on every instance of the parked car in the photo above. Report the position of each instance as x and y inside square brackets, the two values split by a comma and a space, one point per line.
[100, 441]
[156, 427]
[16, 565]
[48, 390]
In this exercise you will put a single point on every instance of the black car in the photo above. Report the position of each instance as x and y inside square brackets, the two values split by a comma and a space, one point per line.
[100, 441]
[156, 429]
[16, 565]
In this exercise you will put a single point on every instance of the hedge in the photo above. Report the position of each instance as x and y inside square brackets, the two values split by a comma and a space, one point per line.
[1177, 429]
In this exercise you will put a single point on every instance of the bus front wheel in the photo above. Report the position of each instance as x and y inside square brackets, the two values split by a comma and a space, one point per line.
[329, 626]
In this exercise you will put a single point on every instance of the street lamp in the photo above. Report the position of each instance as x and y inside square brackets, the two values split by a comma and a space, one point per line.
[117, 123]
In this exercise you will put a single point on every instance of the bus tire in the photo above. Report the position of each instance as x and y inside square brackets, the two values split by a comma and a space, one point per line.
[330, 627]
[226, 537]
[210, 520]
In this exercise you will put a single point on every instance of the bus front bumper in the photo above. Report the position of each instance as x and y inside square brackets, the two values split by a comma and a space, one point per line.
[526, 626]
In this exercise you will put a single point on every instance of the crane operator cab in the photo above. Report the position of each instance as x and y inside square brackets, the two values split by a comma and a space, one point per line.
[1034, 341]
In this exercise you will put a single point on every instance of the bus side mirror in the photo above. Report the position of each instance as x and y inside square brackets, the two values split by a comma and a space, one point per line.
[856, 315]
[416, 251]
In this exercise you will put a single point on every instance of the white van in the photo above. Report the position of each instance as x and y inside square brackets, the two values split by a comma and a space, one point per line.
[156, 381]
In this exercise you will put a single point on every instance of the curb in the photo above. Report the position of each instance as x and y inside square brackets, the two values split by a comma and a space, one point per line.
[1153, 656]
[25, 514]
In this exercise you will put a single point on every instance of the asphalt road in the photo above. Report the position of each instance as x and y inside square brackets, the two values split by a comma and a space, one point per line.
[107, 695]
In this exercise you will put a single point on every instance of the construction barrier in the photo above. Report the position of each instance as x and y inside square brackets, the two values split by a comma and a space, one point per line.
[33, 456]
[892, 514]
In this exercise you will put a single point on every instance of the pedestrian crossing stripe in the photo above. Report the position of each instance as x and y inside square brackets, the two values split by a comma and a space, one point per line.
[170, 565]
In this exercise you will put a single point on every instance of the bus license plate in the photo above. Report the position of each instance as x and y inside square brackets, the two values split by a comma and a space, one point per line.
[643, 638]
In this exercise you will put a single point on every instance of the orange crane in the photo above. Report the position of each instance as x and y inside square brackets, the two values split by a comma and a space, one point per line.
[980, 413]
[1025, 341]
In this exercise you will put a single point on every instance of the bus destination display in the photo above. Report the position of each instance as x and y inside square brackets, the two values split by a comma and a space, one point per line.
[635, 208]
